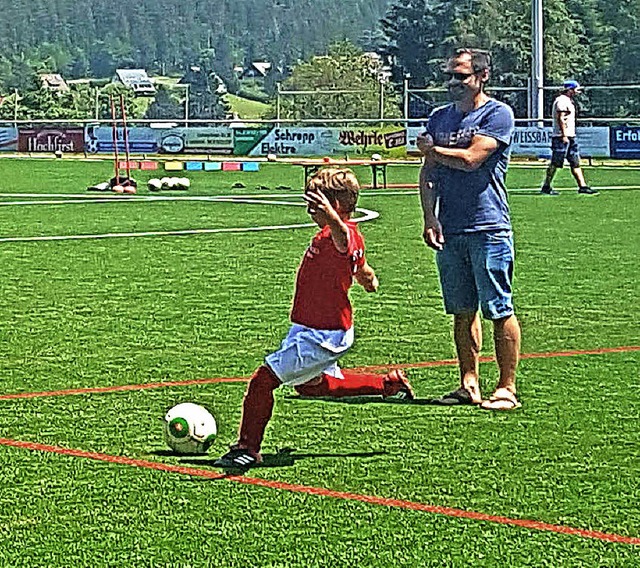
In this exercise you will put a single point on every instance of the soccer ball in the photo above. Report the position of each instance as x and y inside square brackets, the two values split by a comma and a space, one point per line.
[154, 184]
[272, 157]
[181, 183]
[189, 428]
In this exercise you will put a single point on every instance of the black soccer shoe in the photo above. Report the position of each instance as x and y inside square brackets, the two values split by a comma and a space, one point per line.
[238, 458]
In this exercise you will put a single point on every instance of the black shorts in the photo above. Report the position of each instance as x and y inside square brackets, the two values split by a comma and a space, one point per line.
[561, 151]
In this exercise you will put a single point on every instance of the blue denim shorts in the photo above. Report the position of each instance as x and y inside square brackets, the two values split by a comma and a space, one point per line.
[476, 270]
[560, 151]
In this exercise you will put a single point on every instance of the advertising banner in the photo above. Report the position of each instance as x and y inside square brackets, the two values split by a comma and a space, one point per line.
[50, 139]
[625, 142]
[196, 140]
[412, 134]
[297, 141]
[359, 141]
[245, 139]
[536, 142]
[8, 139]
[533, 141]
[99, 139]
[326, 141]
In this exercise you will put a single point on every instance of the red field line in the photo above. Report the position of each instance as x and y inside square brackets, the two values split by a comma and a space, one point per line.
[367, 369]
[116, 388]
[323, 492]
[543, 355]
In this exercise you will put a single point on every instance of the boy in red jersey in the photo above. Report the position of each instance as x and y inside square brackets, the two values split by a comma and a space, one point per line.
[322, 320]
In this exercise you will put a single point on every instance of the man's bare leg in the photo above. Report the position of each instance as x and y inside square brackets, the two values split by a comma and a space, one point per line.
[551, 172]
[579, 176]
[506, 336]
[467, 334]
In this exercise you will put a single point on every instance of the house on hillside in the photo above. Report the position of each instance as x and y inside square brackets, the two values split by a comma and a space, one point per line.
[54, 82]
[195, 76]
[137, 80]
[257, 69]
[378, 66]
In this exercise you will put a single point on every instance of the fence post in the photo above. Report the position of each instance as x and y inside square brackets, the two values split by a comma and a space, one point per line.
[381, 102]
[278, 104]
[186, 104]
[405, 98]
[537, 62]
[15, 109]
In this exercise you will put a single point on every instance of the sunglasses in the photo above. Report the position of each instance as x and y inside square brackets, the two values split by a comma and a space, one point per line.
[457, 76]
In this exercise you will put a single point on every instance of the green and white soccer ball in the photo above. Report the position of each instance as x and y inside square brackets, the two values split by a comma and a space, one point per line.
[189, 428]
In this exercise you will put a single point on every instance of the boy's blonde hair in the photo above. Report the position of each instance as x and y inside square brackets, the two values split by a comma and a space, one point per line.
[339, 185]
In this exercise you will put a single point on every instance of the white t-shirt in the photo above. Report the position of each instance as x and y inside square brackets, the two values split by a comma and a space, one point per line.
[563, 104]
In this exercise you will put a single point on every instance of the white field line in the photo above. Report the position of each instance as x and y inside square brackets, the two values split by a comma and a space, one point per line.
[145, 199]
[78, 195]
[262, 199]
[58, 202]
[367, 215]
[514, 190]
[69, 198]
[574, 188]
[152, 233]
[149, 197]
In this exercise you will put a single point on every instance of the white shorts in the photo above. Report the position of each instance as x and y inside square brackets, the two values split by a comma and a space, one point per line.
[306, 353]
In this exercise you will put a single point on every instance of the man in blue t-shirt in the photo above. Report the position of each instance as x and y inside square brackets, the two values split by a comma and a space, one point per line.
[466, 150]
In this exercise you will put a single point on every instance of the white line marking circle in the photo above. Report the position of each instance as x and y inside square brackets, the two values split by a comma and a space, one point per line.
[64, 199]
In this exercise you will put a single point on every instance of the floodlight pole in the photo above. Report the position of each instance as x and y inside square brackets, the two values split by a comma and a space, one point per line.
[15, 109]
[96, 105]
[405, 98]
[381, 101]
[278, 87]
[186, 105]
[537, 62]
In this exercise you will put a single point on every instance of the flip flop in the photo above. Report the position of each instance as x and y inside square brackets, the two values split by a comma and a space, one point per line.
[502, 399]
[455, 398]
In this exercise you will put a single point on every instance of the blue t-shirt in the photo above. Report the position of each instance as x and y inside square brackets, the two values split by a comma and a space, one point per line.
[473, 201]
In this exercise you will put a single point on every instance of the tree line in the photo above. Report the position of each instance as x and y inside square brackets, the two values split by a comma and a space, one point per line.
[91, 38]
[595, 41]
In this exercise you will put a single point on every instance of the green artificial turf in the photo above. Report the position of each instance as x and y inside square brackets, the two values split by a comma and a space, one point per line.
[123, 311]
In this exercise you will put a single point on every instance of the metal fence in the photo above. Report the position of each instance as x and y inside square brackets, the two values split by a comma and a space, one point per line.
[602, 102]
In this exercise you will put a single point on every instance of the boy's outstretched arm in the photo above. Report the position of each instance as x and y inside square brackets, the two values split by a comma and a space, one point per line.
[366, 277]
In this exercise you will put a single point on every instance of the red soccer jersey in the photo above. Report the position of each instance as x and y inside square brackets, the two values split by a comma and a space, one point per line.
[321, 299]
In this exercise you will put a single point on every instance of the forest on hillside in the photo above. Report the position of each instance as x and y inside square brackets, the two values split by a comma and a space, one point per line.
[82, 38]
[594, 41]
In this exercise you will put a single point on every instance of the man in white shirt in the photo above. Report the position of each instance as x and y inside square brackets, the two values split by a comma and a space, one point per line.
[563, 140]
